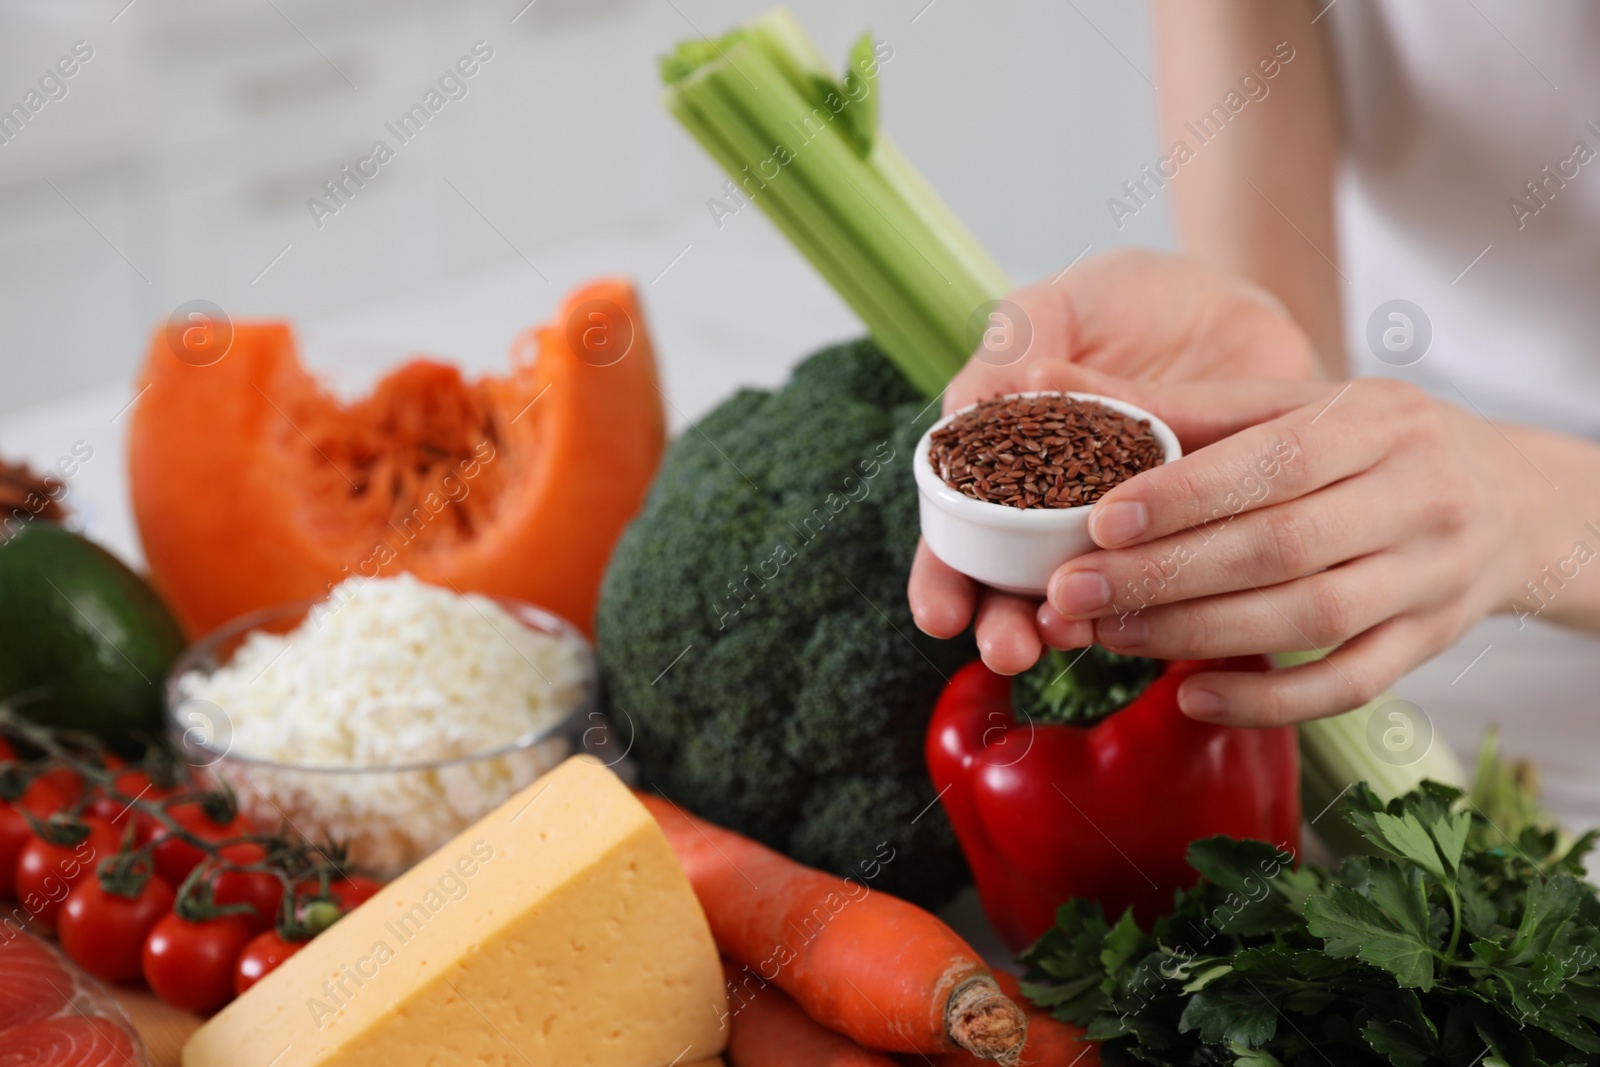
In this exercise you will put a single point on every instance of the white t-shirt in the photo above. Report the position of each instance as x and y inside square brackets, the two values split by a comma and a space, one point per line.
[1451, 110]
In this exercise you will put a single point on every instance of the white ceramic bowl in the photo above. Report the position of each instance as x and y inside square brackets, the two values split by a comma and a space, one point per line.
[1012, 549]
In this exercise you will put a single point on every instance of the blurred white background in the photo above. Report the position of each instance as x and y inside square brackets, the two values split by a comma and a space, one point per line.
[179, 164]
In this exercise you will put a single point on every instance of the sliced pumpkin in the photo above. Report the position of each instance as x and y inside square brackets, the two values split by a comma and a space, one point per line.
[253, 485]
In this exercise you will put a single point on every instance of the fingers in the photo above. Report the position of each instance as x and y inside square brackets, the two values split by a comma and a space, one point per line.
[1143, 315]
[941, 599]
[1294, 453]
[1057, 631]
[1200, 413]
[1047, 323]
[1315, 612]
[1347, 678]
[1007, 638]
[979, 381]
[1254, 550]
[1153, 316]
[1058, 375]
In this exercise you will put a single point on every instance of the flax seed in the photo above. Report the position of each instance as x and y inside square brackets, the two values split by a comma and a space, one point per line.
[1042, 451]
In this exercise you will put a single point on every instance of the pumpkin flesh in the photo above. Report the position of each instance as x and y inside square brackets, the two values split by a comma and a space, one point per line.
[253, 485]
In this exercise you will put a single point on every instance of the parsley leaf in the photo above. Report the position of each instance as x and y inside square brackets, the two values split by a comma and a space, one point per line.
[1352, 925]
[1456, 945]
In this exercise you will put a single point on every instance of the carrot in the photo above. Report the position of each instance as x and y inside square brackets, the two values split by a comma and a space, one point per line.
[1050, 1043]
[868, 965]
[767, 1029]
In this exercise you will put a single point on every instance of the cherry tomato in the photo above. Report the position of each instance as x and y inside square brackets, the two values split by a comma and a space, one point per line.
[190, 964]
[41, 799]
[133, 785]
[260, 958]
[353, 891]
[175, 857]
[119, 815]
[66, 782]
[47, 872]
[7, 753]
[259, 889]
[105, 932]
[349, 892]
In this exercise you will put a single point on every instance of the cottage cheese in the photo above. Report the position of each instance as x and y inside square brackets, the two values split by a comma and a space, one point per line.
[388, 672]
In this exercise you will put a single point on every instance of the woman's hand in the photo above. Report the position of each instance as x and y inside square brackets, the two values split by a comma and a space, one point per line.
[1140, 315]
[1366, 515]
[1133, 313]
[1372, 517]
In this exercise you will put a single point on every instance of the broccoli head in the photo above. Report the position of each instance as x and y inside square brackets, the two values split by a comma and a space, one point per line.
[754, 634]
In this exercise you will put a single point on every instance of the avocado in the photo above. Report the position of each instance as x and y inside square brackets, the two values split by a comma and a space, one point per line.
[84, 636]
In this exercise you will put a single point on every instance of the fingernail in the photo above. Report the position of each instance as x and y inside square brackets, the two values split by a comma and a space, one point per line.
[1200, 703]
[1126, 631]
[1080, 593]
[1118, 523]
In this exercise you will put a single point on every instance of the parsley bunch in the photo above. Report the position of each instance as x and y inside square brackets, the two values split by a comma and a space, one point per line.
[1453, 945]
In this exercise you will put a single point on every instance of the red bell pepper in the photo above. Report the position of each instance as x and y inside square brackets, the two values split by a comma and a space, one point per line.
[1048, 812]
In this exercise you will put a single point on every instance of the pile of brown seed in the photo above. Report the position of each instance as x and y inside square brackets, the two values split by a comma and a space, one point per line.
[1042, 451]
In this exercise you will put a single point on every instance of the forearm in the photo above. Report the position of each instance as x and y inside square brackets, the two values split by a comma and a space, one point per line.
[1558, 578]
[1255, 194]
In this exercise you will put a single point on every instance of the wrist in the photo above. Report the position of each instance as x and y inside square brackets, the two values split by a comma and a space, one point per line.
[1555, 575]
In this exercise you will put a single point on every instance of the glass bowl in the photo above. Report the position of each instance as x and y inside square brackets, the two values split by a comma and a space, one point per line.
[386, 817]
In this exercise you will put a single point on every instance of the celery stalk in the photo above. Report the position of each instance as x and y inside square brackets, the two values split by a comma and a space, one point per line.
[898, 171]
[815, 231]
[837, 231]
[842, 193]
[849, 191]
[1337, 752]
[782, 37]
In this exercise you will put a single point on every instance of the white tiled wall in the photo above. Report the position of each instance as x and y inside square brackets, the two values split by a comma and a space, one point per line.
[179, 163]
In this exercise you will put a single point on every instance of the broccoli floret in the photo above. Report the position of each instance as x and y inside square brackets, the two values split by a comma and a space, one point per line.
[768, 569]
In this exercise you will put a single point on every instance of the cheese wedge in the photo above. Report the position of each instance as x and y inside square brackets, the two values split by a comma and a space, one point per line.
[558, 930]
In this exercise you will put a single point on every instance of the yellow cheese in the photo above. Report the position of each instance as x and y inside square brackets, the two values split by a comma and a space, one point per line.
[559, 930]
